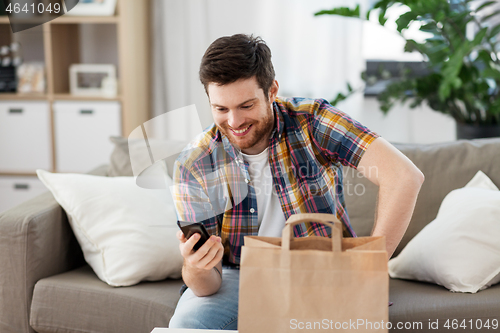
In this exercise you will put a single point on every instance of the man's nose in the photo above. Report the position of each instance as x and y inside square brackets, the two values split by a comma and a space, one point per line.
[235, 120]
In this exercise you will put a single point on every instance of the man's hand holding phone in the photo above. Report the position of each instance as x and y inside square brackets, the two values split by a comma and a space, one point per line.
[202, 253]
[206, 257]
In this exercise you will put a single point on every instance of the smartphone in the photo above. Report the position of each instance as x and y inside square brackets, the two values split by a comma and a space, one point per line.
[190, 228]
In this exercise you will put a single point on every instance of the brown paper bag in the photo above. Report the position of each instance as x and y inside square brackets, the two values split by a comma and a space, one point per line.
[313, 284]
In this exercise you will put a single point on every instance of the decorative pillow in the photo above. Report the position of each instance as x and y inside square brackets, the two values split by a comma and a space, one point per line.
[127, 233]
[119, 164]
[460, 249]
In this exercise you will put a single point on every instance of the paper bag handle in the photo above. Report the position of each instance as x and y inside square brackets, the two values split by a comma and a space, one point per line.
[328, 220]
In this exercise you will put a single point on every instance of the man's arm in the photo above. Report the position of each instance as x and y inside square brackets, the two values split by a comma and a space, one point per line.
[202, 270]
[399, 182]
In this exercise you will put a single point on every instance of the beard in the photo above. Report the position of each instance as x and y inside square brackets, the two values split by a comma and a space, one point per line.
[259, 131]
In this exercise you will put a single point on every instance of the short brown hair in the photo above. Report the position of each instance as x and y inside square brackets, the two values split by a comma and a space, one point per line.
[235, 57]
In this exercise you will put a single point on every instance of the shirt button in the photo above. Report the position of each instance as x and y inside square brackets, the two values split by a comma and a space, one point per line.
[247, 181]
[252, 210]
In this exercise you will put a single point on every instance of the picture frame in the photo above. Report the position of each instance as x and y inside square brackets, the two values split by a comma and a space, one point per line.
[88, 79]
[90, 7]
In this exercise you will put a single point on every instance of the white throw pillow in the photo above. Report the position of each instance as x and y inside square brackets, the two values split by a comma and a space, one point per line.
[460, 249]
[127, 233]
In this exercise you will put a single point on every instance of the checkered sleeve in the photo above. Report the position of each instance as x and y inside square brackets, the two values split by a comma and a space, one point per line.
[191, 200]
[341, 138]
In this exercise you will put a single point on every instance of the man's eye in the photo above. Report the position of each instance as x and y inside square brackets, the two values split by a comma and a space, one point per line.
[247, 106]
[221, 109]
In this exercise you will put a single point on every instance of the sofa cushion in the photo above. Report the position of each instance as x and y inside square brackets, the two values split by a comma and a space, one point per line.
[446, 166]
[459, 249]
[77, 301]
[424, 302]
[127, 233]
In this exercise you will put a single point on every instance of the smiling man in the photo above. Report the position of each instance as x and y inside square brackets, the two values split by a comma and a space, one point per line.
[264, 159]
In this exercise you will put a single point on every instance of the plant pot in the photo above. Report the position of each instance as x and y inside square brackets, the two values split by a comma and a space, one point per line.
[474, 131]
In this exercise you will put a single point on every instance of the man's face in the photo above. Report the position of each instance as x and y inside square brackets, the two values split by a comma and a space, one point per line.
[243, 113]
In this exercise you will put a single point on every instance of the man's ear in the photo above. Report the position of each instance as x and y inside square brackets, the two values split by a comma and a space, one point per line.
[273, 91]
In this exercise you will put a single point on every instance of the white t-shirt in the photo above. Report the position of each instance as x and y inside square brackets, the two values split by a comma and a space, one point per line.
[270, 215]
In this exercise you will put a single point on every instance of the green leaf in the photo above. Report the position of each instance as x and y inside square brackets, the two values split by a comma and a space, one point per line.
[484, 56]
[451, 69]
[342, 11]
[405, 19]
[479, 36]
[489, 72]
[411, 45]
[382, 19]
[440, 15]
[429, 27]
[495, 107]
[484, 5]
[340, 97]
[494, 31]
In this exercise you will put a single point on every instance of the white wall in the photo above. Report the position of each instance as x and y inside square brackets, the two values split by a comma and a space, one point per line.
[405, 125]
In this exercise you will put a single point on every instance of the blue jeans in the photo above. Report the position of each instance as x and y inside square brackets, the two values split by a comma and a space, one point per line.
[217, 312]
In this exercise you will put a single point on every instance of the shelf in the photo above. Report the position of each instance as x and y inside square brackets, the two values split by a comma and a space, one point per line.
[67, 40]
[68, 19]
[35, 19]
[69, 97]
[19, 174]
[17, 96]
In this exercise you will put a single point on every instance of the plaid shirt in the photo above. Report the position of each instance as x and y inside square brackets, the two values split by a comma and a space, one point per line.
[310, 143]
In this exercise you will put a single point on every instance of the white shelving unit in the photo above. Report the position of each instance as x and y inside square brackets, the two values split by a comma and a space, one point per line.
[60, 132]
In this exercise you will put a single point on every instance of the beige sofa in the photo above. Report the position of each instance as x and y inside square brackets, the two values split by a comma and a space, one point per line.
[45, 285]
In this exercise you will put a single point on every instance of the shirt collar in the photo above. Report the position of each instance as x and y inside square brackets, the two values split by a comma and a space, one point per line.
[278, 120]
[231, 150]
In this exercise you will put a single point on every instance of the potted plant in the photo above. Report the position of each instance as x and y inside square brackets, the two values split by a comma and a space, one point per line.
[463, 77]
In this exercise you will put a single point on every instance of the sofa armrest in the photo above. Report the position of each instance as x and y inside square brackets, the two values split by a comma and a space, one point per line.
[36, 242]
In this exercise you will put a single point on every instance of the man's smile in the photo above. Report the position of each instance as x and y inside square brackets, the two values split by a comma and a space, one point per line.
[242, 131]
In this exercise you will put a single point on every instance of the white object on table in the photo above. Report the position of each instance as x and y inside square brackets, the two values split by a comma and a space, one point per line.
[181, 330]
